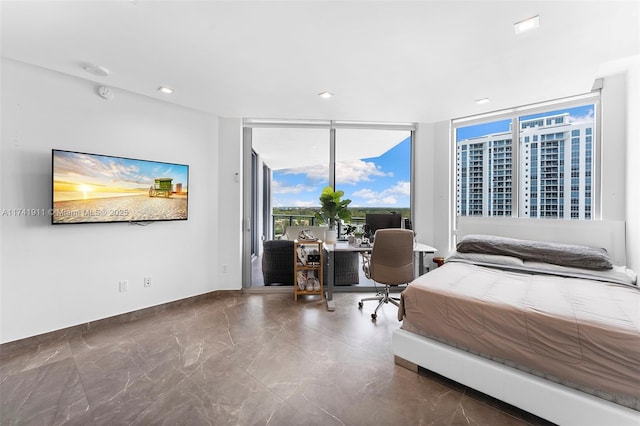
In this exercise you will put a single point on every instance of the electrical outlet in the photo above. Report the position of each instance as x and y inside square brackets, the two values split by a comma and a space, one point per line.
[147, 281]
[124, 285]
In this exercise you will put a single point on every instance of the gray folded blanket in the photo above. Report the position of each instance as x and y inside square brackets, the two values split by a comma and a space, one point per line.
[539, 251]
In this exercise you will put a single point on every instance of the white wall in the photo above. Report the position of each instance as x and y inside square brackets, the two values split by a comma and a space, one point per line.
[423, 179]
[229, 206]
[443, 166]
[632, 165]
[58, 276]
[432, 214]
[614, 137]
[621, 150]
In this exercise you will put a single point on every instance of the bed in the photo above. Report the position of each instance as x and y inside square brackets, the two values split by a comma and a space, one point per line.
[551, 328]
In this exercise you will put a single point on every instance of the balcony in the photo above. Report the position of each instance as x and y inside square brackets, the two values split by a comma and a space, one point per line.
[281, 221]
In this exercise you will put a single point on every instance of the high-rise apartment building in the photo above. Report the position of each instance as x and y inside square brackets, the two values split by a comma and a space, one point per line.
[555, 171]
[484, 174]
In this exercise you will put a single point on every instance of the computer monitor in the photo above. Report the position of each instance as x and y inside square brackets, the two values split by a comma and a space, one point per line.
[375, 221]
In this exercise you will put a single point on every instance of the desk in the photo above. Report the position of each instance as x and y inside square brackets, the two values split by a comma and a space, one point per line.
[419, 248]
[422, 249]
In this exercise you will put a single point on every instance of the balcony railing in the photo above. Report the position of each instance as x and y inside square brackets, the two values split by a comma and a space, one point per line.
[281, 221]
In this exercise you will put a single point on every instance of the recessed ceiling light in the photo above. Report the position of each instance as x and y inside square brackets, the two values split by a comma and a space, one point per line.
[165, 89]
[96, 69]
[482, 101]
[527, 24]
[325, 95]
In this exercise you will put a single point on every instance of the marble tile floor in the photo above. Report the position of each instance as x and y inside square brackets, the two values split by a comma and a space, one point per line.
[250, 359]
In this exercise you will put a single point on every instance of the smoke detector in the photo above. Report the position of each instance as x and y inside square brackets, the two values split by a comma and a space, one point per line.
[105, 92]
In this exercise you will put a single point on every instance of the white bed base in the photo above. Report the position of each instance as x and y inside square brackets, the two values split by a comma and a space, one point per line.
[546, 399]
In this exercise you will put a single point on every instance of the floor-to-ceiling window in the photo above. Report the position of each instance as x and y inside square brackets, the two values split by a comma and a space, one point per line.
[370, 163]
[373, 168]
[298, 158]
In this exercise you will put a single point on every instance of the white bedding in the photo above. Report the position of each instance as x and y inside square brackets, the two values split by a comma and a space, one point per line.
[585, 333]
[558, 403]
[618, 274]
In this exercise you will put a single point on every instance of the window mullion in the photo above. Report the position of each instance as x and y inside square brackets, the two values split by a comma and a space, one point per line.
[515, 166]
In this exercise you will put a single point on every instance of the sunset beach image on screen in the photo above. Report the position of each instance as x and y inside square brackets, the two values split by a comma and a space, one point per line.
[90, 188]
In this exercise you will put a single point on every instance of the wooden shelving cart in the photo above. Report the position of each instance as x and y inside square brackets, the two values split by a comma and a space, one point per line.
[307, 260]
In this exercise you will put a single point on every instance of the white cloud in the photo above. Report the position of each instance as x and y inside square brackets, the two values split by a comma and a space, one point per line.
[581, 119]
[278, 187]
[296, 203]
[303, 203]
[386, 197]
[365, 193]
[385, 201]
[354, 171]
[347, 172]
[402, 188]
[317, 172]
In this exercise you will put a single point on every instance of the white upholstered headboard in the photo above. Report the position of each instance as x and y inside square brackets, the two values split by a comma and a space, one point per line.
[606, 234]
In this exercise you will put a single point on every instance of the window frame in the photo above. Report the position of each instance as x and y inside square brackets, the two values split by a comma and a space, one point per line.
[514, 115]
[249, 124]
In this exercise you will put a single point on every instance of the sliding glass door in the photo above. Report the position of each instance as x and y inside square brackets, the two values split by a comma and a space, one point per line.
[295, 161]
[298, 159]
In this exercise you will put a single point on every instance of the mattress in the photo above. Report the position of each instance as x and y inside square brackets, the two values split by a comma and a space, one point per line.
[581, 332]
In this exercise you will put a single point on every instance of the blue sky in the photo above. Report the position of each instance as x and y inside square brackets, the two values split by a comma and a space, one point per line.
[499, 126]
[382, 181]
[368, 182]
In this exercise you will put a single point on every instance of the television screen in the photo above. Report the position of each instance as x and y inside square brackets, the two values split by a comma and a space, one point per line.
[91, 188]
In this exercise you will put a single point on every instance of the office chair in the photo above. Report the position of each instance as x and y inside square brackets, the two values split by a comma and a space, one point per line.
[390, 263]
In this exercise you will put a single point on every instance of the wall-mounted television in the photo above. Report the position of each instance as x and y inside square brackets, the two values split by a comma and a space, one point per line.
[95, 188]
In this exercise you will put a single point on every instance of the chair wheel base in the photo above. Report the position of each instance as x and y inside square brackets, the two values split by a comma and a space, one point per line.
[360, 304]
[374, 316]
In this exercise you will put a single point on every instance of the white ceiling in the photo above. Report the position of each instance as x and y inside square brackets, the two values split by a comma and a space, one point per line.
[421, 61]
[307, 147]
